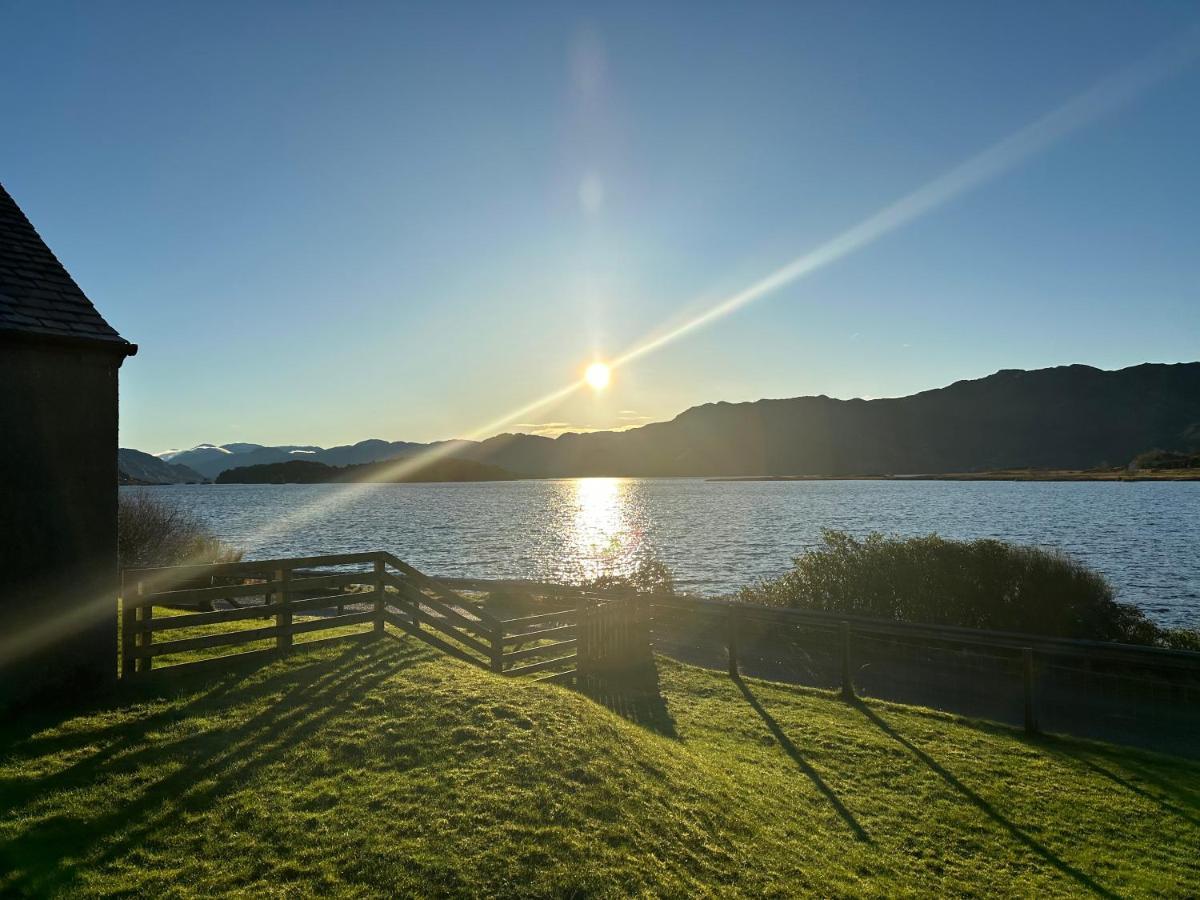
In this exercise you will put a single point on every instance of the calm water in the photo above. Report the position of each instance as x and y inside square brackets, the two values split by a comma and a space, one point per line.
[715, 536]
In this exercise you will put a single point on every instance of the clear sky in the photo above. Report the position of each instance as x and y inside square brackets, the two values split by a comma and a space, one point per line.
[326, 222]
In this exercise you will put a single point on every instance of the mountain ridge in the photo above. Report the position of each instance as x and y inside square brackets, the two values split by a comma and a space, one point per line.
[1063, 417]
[136, 467]
[299, 471]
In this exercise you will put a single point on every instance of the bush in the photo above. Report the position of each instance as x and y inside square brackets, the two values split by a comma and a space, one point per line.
[1180, 639]
[153, 533]
[650, 577]
[1165, 459]
[975, 584]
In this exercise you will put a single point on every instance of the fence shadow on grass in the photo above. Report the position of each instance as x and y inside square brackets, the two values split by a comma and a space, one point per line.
[1019, 834]
[634, 694]
[1124, 772]
[47, 856]
[805, 766]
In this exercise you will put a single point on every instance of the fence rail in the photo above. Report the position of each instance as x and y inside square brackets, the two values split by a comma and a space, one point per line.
[951, 634]
[1125, 693]
[594, 633]
[279, 587]
[380, 591]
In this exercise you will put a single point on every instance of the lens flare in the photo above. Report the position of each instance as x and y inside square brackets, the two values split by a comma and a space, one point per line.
[597, 376]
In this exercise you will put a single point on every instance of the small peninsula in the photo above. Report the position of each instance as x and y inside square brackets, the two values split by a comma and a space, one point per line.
[401, 470]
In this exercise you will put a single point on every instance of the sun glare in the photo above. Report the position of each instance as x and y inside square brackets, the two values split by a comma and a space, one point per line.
[597, 376]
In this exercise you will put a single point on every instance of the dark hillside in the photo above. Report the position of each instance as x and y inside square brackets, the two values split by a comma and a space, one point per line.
[136, 467]
[1070, 417]
[309, 472]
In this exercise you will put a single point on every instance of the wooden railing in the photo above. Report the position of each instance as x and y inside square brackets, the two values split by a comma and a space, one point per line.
[562, 632]
[1093, 650]
[308, 595]
[860, 650]
[846, 639]
[276, 590]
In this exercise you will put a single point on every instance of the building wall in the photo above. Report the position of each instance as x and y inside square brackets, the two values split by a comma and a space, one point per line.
[58, 519]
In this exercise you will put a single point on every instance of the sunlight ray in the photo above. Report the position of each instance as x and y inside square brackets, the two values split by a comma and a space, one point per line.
[1103, 98]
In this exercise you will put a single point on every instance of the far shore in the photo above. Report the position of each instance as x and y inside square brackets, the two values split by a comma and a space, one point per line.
[996, 475]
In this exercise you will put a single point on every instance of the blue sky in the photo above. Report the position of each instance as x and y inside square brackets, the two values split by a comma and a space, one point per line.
[327, 222]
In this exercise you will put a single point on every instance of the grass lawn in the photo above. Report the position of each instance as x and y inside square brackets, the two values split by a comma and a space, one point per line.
[382, 768]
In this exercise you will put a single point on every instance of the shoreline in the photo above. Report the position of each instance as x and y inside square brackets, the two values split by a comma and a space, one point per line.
[997, 475]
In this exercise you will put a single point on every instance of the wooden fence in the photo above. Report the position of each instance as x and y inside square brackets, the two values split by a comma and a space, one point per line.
[568, 632]
[294, 595]
[283, 599]
[859, 649]
[1020, 678]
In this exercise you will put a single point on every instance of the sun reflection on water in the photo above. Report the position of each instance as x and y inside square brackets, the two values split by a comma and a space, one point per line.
[603, 538]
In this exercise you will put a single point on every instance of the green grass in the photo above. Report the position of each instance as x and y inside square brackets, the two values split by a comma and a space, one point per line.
[382, 768]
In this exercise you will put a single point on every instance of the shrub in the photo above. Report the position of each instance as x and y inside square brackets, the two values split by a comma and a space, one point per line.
[650, 577]
[1180, 638]
[153, 533]
[976, 584]
[1165, 459]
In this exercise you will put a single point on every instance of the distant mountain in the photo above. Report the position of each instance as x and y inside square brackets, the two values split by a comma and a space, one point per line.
[136, 467]
[1069, 417]
[308, 472]
[368, 451]
[211, 460]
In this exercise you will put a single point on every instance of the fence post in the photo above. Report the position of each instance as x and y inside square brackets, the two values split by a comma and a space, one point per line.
[128, 635]
[732, 641]
[584, 645]
[379, 593]
[1031, 723]
[283, 615]
[414, 599]
[847, 677]
[144, 615]
[497, 637]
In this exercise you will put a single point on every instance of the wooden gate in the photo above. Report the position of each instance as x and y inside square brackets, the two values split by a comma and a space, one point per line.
[614, 636]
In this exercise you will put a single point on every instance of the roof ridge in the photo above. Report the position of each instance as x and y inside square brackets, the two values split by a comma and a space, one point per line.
[38, 296]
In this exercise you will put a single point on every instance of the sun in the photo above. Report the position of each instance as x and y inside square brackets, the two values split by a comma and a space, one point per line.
[597, 376]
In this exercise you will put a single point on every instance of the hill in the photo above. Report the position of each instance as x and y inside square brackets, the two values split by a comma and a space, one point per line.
[211, 460]
[309, 472]
[136, 467]
[1070, 417]
[1064, 418]
[389, 770]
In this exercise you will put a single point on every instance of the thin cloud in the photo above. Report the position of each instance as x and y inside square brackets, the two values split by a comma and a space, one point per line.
[557, 429]
[550, 429]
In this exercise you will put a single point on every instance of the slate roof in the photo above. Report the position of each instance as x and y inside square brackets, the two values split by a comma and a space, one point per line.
[38, 298]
